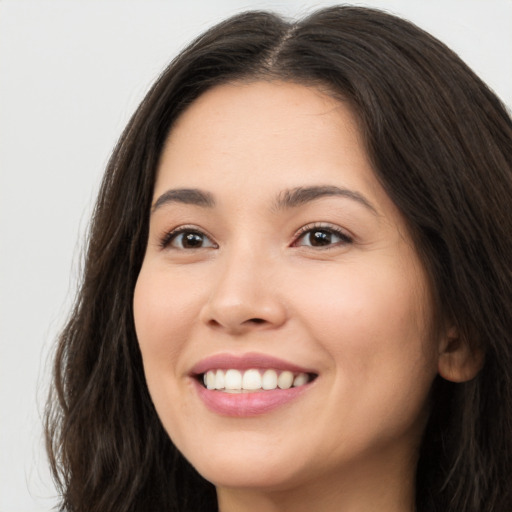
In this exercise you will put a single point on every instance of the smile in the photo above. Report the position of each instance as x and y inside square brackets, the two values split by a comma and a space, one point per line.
[250, 384]
[253, 380]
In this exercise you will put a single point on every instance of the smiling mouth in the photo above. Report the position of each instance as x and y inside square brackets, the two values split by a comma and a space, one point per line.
[253, 380]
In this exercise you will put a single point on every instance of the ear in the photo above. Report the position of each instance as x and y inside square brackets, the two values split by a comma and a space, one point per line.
[458, 361]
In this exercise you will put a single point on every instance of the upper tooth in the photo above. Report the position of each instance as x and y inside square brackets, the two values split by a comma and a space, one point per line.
[269, 380]
[300, 380]
[210, 380]
[233, 379]
[285, 380]
[220, 380]
[251, 380]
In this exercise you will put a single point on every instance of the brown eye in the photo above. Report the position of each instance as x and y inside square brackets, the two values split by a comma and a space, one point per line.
[189, 239]
[319, 238]
[322, 237]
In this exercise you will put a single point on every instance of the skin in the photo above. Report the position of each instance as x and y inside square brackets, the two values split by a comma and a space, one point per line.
[358, 312]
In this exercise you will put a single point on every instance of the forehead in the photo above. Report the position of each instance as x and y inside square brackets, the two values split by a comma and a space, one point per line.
[264, 101]
[247, 142]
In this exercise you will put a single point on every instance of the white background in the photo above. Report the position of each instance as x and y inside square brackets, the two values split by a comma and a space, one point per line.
[71, 73]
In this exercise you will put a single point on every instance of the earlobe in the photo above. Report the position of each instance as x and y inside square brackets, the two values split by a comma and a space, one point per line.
[458, 361]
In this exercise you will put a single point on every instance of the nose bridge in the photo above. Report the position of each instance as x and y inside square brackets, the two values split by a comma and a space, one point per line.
[245, 292]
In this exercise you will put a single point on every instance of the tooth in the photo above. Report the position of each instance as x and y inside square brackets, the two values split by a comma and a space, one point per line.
[285, 380]
[233, 379]
[300, 380]
[219, 380]
[210, 379]
[251, 380]
[269, 380]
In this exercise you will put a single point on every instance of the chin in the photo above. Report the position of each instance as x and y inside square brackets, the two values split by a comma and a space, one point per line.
[247, 476]
[246, 465]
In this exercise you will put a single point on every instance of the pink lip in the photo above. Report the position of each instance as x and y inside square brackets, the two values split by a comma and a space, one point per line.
[245, 362]
[242, 405]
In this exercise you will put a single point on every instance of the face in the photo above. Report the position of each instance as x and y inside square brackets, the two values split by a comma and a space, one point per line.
[276, 259]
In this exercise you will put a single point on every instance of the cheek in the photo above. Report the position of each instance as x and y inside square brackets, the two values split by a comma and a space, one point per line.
[374, 328]
[164, 315]
[361, 298]
[375, 325]
[164, 311]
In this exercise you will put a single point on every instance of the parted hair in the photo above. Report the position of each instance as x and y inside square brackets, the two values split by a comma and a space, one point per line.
[440, 143]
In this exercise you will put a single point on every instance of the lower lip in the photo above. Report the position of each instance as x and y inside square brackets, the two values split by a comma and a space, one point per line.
[243, 405]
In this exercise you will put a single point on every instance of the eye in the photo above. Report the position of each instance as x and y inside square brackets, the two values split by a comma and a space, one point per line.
[322, 236]
[187, 238]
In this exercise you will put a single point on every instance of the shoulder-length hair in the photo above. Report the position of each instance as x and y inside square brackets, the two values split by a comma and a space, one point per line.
[441, 145]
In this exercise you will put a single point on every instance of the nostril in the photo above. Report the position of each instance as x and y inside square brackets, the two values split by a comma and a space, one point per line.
[256, 320]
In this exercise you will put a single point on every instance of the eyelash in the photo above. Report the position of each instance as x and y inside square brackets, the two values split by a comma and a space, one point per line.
[345, 239]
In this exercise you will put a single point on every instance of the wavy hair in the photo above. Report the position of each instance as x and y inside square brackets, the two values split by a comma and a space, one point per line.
[441, 145]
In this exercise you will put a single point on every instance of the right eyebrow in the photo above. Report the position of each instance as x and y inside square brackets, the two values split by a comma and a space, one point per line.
[185, 196]
[300, 195]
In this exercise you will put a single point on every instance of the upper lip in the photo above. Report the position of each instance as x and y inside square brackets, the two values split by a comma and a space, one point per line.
[245, 362]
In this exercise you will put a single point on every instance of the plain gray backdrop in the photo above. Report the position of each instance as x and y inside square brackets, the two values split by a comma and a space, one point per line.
[71, 74]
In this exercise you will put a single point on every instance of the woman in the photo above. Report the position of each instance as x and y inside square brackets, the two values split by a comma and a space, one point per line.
[298, 285]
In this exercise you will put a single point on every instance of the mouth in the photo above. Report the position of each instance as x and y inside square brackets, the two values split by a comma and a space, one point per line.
[249, 384]
[253, 380]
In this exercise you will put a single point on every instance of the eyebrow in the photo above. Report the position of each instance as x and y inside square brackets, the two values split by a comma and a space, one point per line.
[300, 195]
[292, 198]
[185, 196]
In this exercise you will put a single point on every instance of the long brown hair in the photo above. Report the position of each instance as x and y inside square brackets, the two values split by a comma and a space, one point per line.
[441, 145]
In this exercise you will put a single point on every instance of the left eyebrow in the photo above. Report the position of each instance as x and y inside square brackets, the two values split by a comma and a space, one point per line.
[185, 196]
[300, 195]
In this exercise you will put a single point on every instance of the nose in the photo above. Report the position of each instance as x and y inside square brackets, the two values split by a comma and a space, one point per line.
[245, 296]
